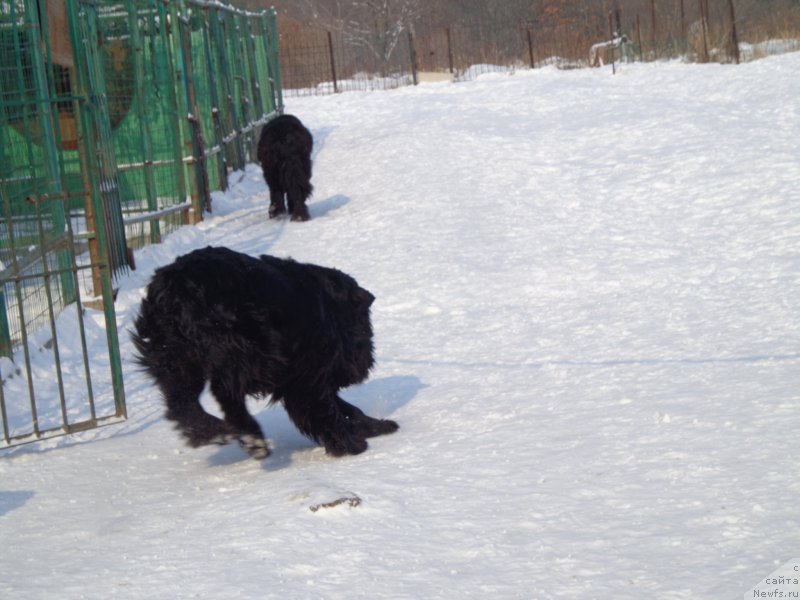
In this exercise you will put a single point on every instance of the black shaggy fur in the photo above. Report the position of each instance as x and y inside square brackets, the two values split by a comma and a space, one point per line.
[258, 326]
[284, 151]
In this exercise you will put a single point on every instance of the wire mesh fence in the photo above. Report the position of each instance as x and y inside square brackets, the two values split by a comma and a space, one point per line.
[315, 61]
[319, 61]
[117, 119]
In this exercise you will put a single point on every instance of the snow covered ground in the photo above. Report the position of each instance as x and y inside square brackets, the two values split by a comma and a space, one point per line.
[587, 326]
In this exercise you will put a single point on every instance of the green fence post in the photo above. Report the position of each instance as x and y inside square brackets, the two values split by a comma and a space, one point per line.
[271, 37]
[218, 39]
[5, 332]
[255, 87]
[58, 211]
[216, 120]
[137, 47]
[97, 158]
[201, 198]
[178, 105]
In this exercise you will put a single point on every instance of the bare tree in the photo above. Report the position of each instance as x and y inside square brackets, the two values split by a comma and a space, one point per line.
[380, 24]
[376, 26]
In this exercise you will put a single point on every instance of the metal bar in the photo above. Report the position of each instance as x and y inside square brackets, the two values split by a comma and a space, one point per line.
[82, 328]
[225, 7]
[8, 212]
[30, 258]
[145, 164]
[157, 214]
[34, 198]
[21, 278]
[52, 321]
[137, 47]
[5, 330]
[26, 438]
[4, 412]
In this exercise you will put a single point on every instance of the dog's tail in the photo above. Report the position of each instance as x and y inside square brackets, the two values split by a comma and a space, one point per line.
[142, 336]
[296, 176]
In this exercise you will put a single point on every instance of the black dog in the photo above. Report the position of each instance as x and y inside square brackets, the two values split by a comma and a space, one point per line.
[266, 325]
[284, 151]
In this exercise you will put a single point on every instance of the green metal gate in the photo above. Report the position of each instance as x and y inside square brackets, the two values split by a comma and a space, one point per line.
[54, 351]
[97, 158]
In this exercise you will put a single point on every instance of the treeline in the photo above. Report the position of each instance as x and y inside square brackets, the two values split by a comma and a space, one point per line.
[760, 18]
[700, 29]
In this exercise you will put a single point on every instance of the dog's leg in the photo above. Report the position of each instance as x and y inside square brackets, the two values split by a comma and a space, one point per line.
[363, 425]
[181, 389]
[320, 418]
[297, 203]
[277, 206]
[246, 429]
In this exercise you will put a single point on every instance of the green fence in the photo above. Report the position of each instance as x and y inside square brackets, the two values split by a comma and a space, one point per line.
[117, 120]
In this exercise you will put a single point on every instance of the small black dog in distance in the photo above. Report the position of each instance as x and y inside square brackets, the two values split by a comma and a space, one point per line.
[284, 151]
[258, 326]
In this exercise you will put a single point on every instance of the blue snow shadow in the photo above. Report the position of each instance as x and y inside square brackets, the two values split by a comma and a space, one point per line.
[379, 398]
[323, 207]
[13, 500]
[320, 135]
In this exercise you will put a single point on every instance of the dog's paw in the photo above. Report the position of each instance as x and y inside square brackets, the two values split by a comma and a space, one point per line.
[255, 446]
[198, 438]
[300, 215]
[341, 446]
[368, 427]
[276, 211]
[382, 427]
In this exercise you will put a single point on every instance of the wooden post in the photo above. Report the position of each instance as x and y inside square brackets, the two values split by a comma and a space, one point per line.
[611, 39]
[333, 63]
[530, 47]
[704, 27]
[653, 29]
[449, 50]
[639, 36]
[413, 56]
[734, 36]
[683, 27]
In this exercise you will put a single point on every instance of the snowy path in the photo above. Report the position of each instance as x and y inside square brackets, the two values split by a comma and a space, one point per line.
[588, 328]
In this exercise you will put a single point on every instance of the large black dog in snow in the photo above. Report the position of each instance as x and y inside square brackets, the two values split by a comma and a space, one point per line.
[298, 332]
[284, 151]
